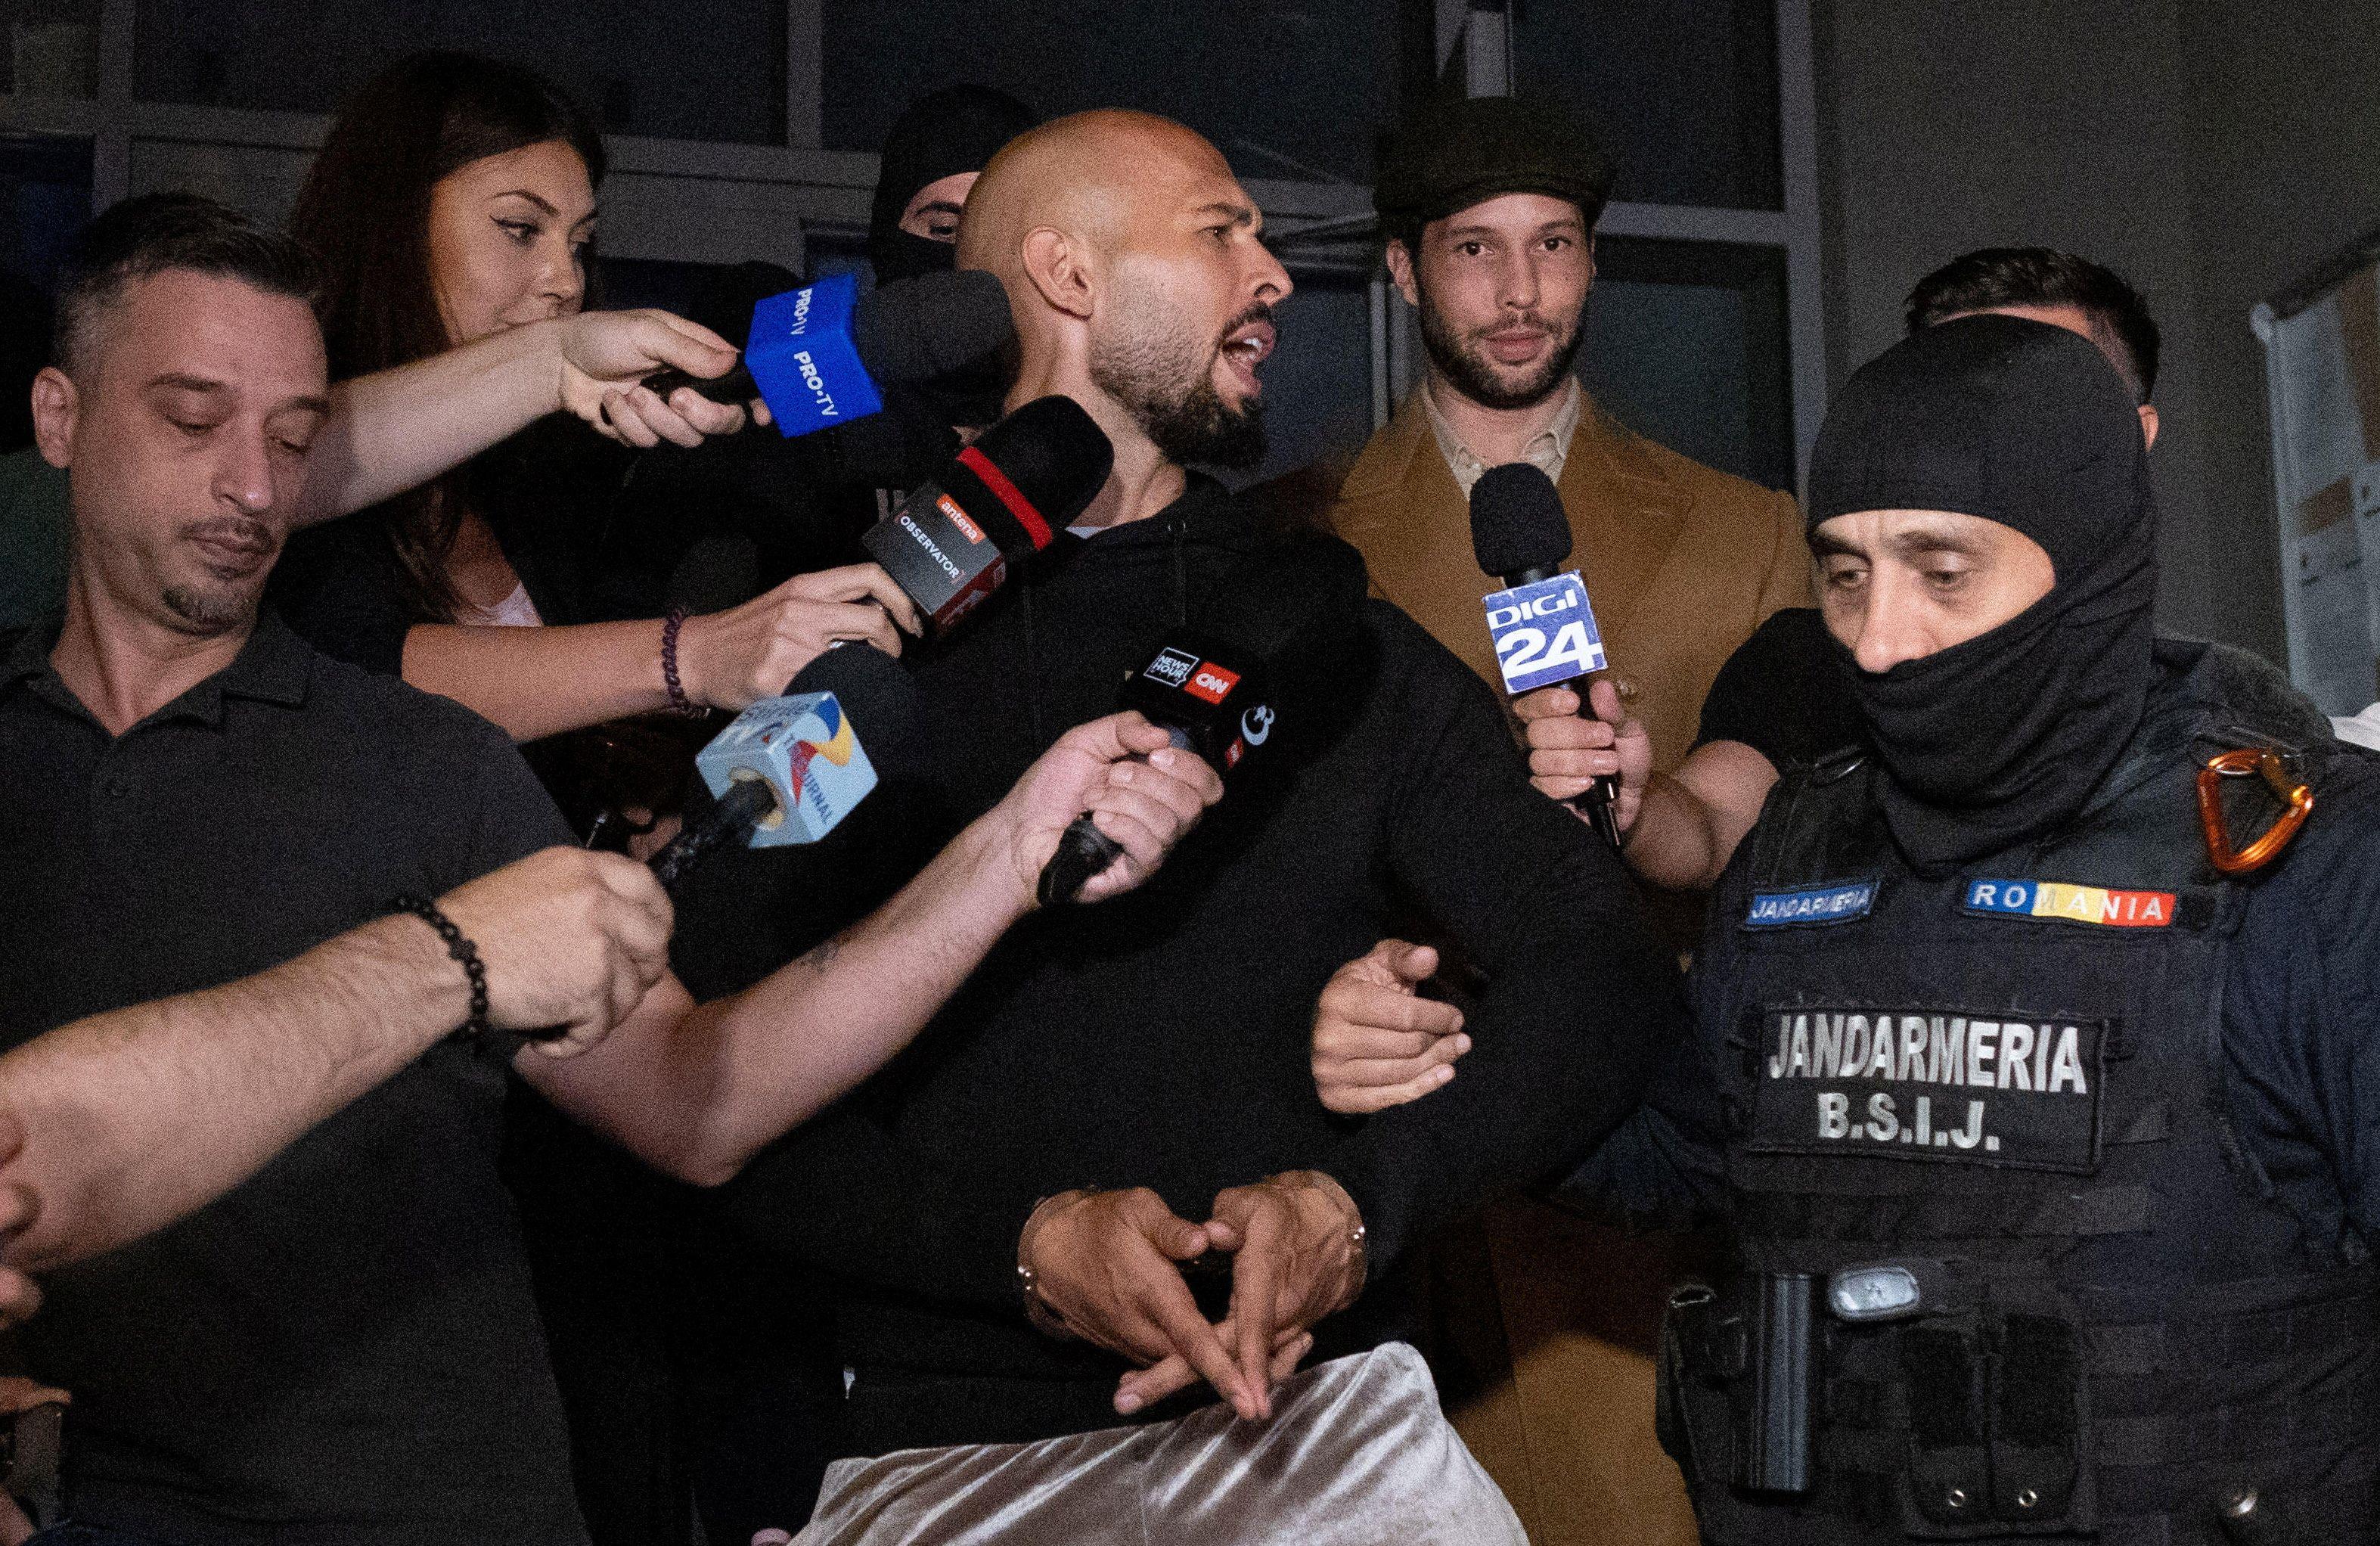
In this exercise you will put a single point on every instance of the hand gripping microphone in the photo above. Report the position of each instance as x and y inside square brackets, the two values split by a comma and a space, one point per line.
[788, 769]
[815, 355]
[1542, 625]
[1264, 664]
[1001, 500]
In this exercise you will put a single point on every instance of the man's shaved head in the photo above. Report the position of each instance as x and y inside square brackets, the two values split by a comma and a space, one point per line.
[1139, 287]
[1080, 174]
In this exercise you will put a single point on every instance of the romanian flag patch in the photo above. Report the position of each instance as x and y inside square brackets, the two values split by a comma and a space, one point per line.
[2097, 905]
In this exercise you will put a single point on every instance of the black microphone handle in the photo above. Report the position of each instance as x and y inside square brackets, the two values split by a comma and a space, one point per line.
[1083, 851]
[739, 811]
[736, 387]
[1595, 800]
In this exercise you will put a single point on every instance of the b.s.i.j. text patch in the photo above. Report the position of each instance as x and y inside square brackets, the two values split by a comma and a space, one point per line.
[2007, 1087]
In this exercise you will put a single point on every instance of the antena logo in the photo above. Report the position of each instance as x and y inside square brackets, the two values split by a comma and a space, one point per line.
[1213, 683]
[1257, 724]
[958, 518]
[1171, 667]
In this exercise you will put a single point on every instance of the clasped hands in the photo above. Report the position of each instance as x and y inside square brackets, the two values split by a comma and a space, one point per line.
[1108, 1267]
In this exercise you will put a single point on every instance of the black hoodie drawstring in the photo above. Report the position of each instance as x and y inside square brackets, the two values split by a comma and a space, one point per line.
[1032, 668]
[1178, 529]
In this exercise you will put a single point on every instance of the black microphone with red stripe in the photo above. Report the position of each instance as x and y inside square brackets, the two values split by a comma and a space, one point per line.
[1004, 498]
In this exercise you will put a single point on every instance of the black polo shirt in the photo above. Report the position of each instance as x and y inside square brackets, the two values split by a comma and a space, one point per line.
[342, 1348]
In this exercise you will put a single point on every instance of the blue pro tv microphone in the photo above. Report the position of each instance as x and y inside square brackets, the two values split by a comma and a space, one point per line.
[1542, 623]
[790, 768]
[815, 355]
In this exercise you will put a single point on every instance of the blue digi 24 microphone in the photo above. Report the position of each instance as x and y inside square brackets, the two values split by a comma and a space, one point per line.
[790, 768]
[815, 355]
[1542, 623]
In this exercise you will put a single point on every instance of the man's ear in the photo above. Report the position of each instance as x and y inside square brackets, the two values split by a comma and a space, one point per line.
[1590, 259]
[1401, 271]
[56, 408]
[1055, 266]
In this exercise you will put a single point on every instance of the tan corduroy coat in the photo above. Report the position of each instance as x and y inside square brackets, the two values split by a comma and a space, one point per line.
[1682, 563]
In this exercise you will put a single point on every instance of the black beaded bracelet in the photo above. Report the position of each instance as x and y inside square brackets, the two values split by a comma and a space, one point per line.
[678, 701]
[465, 953]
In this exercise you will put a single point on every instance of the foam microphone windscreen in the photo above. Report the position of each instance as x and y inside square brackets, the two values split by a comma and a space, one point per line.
[1517, 523]
[886, 709]
[1050, 456]
[910, 331]
[928, 326]
[953, 541]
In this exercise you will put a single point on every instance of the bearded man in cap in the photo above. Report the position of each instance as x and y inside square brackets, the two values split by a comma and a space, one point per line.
[1489, 208]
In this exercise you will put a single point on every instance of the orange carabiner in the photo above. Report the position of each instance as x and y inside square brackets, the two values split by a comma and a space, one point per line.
[2295, 795]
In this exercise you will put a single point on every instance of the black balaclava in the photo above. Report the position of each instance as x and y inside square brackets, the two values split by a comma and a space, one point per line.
[2002, 737]
[943, 133]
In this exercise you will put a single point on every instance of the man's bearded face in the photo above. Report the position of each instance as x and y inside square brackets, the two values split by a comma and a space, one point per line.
[1163, 372]
[1501, 288]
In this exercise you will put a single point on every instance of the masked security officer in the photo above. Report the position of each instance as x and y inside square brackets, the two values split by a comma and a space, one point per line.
[2036, 1072]
[2033, 1070]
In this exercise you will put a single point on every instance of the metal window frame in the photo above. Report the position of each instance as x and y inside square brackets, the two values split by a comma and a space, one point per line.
[676, 188]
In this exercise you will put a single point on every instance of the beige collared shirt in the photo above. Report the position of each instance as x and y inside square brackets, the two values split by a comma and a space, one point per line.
[1546, 450]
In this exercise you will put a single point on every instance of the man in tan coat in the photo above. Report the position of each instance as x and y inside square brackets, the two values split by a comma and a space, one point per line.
[1488, 207]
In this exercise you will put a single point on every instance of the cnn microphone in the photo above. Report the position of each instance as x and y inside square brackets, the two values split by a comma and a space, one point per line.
[815, 355]
[998, 501]
[788, 769]
[1278, 643]
[1542, 623]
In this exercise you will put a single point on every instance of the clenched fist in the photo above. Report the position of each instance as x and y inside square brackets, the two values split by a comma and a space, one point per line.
[1567, 753]
[1140, 789]
[571, 941]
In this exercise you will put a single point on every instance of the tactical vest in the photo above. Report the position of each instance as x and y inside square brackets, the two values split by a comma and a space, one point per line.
[2000, 1271]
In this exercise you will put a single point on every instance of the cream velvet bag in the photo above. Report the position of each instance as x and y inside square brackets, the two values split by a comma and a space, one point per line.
[1356, 1453]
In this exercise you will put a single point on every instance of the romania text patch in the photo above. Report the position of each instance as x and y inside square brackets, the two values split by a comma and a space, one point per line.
[2072, 904]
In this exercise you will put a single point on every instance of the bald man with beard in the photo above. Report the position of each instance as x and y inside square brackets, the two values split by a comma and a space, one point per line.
[1121, 1091]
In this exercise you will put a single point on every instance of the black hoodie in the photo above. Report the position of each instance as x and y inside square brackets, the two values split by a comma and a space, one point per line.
[1162, 1040]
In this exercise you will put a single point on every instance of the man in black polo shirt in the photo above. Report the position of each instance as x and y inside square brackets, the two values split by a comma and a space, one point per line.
[342, 1347]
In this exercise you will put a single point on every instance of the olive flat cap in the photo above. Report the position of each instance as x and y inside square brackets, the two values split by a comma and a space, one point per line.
[1456, 153]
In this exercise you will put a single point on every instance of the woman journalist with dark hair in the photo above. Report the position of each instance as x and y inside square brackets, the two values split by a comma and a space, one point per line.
[454, 201]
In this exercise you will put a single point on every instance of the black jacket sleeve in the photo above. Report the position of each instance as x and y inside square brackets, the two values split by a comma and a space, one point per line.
[1581, 1000]
[1781, 694]
[807, 1198]
[2300, 1059]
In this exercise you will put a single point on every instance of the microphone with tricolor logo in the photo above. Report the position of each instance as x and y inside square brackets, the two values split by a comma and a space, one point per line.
[1542, 623]
[1258, 666]
[952, 543]
[815, 355]
[789, 768]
